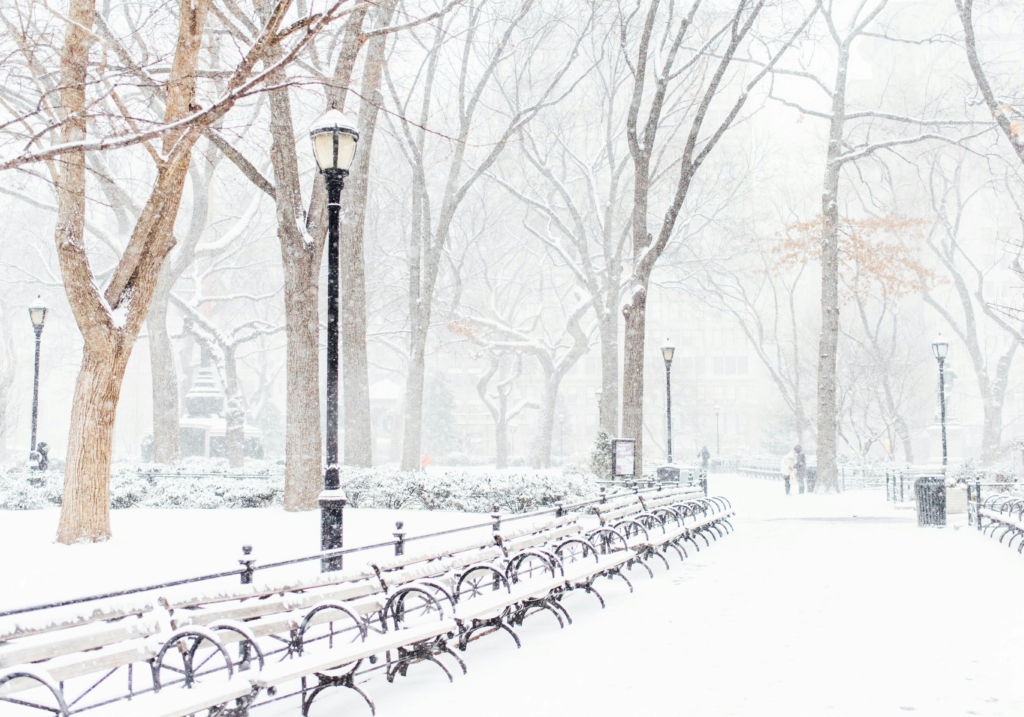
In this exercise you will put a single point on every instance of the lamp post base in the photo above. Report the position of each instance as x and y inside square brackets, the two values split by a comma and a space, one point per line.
[332, 522]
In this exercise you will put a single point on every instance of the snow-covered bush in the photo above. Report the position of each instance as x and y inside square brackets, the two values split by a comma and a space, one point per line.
[478, 491]
[208, 484]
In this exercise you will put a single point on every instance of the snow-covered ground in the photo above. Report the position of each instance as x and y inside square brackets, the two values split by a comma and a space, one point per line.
[817, 605]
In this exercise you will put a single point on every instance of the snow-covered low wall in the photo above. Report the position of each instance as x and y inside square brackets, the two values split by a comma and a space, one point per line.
[150, 486]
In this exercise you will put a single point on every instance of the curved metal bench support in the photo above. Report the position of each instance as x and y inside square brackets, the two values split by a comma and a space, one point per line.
[61, 709]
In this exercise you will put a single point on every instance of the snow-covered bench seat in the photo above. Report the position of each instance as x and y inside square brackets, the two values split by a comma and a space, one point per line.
[654, 523]
[1005, 518]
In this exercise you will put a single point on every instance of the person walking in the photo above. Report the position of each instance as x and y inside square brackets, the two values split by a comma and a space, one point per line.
[800, 466]
[704, 456]
[788, 468]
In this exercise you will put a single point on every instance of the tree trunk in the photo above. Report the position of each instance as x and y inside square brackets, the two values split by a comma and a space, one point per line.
[301, 263]
[633, 372]
[828, 345]
[540, 453]
[413, 428]
[85, 510]
[609, 404]
[166, 431]
[234, 411]
[355, 370]
[303, 475]
[501, 444]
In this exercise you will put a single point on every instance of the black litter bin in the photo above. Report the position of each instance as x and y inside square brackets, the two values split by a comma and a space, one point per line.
[930, 493]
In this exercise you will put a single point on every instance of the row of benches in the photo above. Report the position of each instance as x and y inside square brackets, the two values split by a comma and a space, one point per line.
[229, 647]
[1002, 514]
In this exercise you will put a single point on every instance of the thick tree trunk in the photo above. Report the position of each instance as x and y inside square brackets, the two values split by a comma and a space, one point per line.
[355, 369]
[828, 345]
[609, 405]
[300, 260]
[303, 467]
[85, 510]
[633, 372]
[414, 382]
[166, 412]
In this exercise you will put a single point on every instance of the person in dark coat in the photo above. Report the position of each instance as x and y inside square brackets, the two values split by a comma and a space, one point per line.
[800, 466]
[704, 456]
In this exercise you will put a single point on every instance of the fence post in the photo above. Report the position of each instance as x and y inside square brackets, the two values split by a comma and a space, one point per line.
[495, 518]
[977, 497]
[559, 510]
[902, 495]
[399, 538]
[247, 562]
[604, 495]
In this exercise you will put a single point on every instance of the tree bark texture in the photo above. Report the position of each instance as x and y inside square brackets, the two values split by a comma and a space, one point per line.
[300, 260]
[608, 328]
[635, 312]
[166, 411]
[828, 344]
[355, 369]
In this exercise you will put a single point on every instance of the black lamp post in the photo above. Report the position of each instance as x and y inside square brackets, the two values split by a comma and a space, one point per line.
[37, 313]
[718, 433]
[334, 145]
[667, 352]
[940, 347]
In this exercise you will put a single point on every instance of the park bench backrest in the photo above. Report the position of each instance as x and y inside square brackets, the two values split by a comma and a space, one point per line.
[545, 532]
[615, 510]
[436, 560]
[669, 498]
[18, 626]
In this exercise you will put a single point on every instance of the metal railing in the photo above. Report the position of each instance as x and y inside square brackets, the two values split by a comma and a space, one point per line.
[249, 566]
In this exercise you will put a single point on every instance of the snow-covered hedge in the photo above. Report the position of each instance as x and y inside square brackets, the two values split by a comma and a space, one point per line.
[475, 492]
[149, 486]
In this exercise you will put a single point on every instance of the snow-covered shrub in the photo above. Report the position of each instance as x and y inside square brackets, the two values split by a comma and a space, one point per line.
[209, 485]
[601, 457]
[479, 491]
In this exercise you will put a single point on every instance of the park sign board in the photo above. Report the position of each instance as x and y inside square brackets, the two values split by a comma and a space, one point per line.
[623, 456]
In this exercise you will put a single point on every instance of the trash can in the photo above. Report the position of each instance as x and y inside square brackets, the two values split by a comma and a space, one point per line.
[668, 473]
[930, 494]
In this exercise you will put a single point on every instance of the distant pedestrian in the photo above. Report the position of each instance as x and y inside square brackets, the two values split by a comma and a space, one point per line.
[788, 468]
[800, 467]
[704, 456]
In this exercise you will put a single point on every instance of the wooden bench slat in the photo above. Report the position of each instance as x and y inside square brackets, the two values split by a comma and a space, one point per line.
[348, 653]
[67, 667]
[66, 618]
[77, 639]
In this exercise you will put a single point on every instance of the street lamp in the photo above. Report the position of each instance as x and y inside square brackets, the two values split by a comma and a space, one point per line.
[718, 433]
[940, 347]
[334, 145]
[667, 351]
[37, 313]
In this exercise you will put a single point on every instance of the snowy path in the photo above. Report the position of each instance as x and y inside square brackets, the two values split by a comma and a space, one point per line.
[805, 610]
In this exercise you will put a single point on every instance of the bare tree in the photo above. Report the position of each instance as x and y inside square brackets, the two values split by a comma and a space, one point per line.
[506, 367]
[1006, 104]
[681, 61]
[515, 50]
[89, 109]
[950, 200]
[851, 137]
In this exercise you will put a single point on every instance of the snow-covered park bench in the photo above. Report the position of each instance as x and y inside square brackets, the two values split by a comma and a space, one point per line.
[234, 647]
[1002, 514]
[188, 640]
[653, 523]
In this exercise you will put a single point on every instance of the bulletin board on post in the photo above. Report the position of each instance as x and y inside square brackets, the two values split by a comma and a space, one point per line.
[623, 457]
